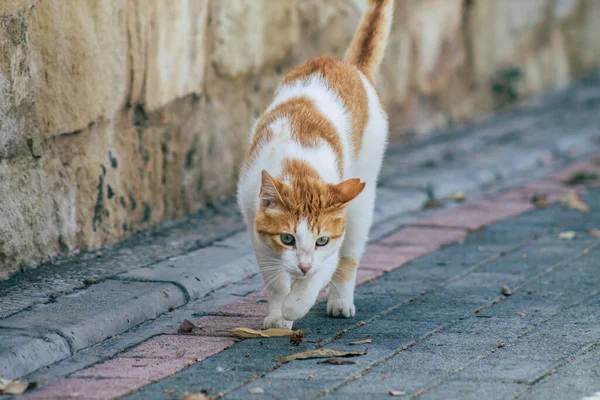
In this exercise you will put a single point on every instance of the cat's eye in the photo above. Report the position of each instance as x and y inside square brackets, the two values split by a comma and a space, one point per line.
[287, 239]
[322, 241]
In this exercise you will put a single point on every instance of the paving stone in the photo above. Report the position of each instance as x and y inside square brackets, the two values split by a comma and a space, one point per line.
[180, 347]
[100, 311]
[87, 388]
[133, 368]
[25, 350]
[577, 380]
[429, 238]
[475, 390]
[384, 258]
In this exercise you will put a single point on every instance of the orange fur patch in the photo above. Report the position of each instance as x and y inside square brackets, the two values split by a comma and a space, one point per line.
[309, 127]
[345, 269]
[345, 81]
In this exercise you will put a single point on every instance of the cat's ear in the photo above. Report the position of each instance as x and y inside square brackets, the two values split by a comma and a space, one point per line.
[347, 191]
[269, 191]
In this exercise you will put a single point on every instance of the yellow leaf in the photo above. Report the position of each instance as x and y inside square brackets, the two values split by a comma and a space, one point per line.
[573, 201]
[247, 333]
[278, 332]
[320, 353]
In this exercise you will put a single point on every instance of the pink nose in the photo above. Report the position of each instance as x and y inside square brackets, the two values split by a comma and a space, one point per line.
[304, 267]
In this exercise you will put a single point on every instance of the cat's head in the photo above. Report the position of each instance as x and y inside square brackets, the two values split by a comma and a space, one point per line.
[302, 220]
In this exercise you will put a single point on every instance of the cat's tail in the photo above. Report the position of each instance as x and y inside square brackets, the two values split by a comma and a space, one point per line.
[368, 44]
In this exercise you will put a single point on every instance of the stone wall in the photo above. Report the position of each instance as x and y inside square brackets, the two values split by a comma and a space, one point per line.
[118, 114]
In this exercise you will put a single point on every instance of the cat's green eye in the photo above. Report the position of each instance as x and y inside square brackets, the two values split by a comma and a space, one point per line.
[322, 241]
[287, 239]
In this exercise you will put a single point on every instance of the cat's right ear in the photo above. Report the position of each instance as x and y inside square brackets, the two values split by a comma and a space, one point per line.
[269, 191]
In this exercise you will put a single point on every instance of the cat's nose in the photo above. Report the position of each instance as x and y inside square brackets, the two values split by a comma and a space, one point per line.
[304, 267]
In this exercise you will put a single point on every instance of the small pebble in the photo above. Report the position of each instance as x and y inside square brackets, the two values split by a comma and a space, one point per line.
[256, 390]
[505, 290]
[501, 345]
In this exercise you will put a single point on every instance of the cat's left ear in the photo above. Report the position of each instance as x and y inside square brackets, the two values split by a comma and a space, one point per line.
[347, 191]
[269, 191]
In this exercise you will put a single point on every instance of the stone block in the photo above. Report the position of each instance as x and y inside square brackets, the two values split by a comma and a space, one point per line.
[167, 49]
[79, 51]
[250, 34]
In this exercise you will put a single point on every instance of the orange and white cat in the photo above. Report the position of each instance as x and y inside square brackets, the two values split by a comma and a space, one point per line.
[307, 187]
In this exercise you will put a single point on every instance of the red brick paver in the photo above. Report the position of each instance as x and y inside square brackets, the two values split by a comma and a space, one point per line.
[87, 388]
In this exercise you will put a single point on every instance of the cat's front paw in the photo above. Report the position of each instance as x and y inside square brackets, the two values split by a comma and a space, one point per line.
[277, 321]
[295, 307]
[340, 309]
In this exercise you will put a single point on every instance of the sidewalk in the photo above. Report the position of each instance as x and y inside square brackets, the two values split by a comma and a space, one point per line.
[106, 322]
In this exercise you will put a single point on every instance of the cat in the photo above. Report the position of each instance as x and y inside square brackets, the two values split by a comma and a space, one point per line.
[307, 185]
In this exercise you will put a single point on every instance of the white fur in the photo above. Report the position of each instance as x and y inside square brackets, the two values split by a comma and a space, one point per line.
[292, 294]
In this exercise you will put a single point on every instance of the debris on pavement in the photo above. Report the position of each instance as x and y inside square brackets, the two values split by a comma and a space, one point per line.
[501, 345]
[521, 314]
[540, 200]
[431, 201]
[366, 341]
[192, 396]
[256, 390]
[572, 200]
[271, 332]
[188, 327]
[505, 290]
[582, 177]
[569, 235]
[320, 353]
[337, 361]
[361, 323]
[397, 393]
[458, 197]
[8, 386]
[297, 338]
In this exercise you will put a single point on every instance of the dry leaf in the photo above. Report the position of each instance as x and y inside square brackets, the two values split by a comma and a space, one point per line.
[366, 341]
[252, 333]
[194, 396]
[337, 361]
[397, 393]
[505, 290]
[15, 387]
[279, 332]
[457, 196]
[297, 338]
[574, 201]
[320, 353]
[256, 390]
[570, 235]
